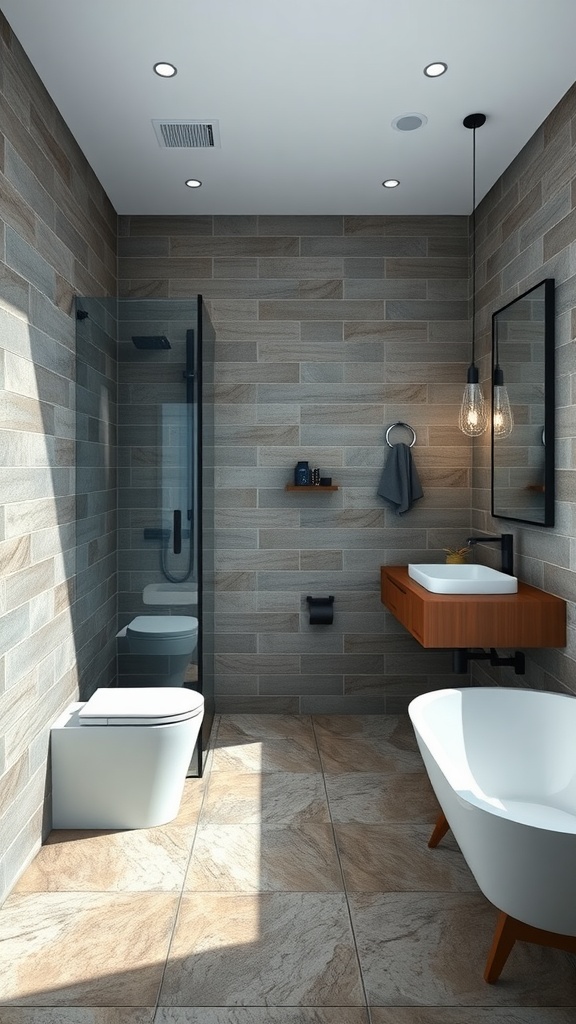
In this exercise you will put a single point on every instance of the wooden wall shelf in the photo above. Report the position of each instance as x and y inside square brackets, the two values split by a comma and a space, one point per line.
[530, 618]
[312, 487]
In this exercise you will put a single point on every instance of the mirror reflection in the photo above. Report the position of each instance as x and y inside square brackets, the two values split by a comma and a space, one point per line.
[523, 407]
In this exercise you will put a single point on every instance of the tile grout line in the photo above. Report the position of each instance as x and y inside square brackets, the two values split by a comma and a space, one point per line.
[206, 775]
[345, 892]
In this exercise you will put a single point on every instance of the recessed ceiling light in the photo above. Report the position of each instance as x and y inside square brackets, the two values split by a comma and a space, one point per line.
[391, 183]
[436, 69]
[193, 183]
[165, 70]
[409, 122]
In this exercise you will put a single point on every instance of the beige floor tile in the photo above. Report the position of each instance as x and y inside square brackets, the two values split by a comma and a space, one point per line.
[274, 949]
[281, 798]
[430, 949]
[264, 858]
[470, 1015]
[377, 798]
[86, 949]
[261, 1015]
[385, 858]
[239, 728]
[143, 860]
[72, 953]
[191, 803]
[271, 754]
[76, 1015]
[266, 743]
[366, 743]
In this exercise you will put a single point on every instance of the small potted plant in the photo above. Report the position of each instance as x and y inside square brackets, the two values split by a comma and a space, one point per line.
[456, 556]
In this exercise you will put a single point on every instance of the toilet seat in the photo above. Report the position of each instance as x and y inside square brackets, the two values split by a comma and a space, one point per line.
[163, 627]
[143, 706]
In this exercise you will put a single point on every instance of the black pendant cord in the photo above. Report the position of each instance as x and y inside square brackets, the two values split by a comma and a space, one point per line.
[473, 121]
[473, 245]
[498, 375]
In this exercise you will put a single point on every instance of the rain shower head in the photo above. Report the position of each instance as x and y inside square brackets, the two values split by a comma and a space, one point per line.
[150, 341]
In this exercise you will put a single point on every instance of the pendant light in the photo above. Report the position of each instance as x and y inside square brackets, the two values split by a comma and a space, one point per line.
[502, 418]
[473, 411]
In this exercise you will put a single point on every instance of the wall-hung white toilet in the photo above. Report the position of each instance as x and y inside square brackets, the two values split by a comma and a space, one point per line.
[120, 760]
[169, 636]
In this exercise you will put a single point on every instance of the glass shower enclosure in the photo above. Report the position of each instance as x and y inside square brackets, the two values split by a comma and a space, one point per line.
[145, 476]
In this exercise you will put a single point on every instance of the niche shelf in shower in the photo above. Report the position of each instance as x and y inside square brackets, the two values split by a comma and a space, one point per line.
[170, 594]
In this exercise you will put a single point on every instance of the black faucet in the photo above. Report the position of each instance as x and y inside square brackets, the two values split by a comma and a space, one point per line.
[506, 542]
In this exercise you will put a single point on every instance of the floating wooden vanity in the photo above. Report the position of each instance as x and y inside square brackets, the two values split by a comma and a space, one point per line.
[530, 618]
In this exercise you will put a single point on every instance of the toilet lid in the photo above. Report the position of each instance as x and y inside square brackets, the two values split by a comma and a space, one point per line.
[141, 705]
[163, 627]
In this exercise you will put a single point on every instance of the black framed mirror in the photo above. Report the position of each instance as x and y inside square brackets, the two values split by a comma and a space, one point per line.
[522, 421]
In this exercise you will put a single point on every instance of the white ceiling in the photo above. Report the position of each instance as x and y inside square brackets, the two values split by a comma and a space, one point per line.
[305, 92]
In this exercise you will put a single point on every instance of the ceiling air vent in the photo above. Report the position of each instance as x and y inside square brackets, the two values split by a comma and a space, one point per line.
[187, 134]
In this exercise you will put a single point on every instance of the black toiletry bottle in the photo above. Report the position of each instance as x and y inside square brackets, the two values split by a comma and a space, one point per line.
[302, 473]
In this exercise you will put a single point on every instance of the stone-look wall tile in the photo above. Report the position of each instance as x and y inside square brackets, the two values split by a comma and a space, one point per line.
[520, 213]
[189, 245]
[385, 288]
[168, 226]
[542, 228]
[392, 225]
[363, 247]
[281, 333]
[370, 242]
[321, 310]
[308, 371]
[57, 227]
[294, 225]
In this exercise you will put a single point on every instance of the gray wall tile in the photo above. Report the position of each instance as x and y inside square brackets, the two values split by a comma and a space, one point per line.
[544, 230]
[57, 229]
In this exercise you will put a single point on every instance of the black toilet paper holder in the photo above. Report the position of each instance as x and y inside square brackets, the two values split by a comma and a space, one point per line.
[321, 610]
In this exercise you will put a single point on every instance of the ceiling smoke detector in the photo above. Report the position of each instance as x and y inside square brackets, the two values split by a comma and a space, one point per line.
[409, 122]
[186, 134]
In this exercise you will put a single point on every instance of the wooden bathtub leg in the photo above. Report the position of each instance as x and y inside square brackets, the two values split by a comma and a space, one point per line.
[440, 829]
[504, 938]
[508, 930]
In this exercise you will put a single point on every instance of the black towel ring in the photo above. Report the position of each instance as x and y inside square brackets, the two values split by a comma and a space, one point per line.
[400, 423]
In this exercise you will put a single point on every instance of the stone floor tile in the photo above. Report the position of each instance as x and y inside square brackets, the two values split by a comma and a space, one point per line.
[264, 858]
[280, 798]
[192, 798]
[366, 743]
[374, 798]
[470, 1015]
[385, 858]
[235, 728]
[273, 949]
[261, 1015]
[143, 860]
[265, 743]
[272, 754]
[77, 1014]
[84, 949]
[430, 949]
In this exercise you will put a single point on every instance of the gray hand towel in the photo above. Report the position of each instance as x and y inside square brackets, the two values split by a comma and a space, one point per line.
[399, 484]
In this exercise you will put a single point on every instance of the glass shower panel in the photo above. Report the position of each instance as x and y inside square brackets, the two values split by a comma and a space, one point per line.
[94, 609]
[207, 340]
[158, 460]
[143, 435]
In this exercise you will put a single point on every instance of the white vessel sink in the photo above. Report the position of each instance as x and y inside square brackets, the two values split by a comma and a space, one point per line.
[462, 579]
[170, 593]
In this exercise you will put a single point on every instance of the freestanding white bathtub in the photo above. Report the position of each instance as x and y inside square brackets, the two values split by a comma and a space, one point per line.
[502, 763]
